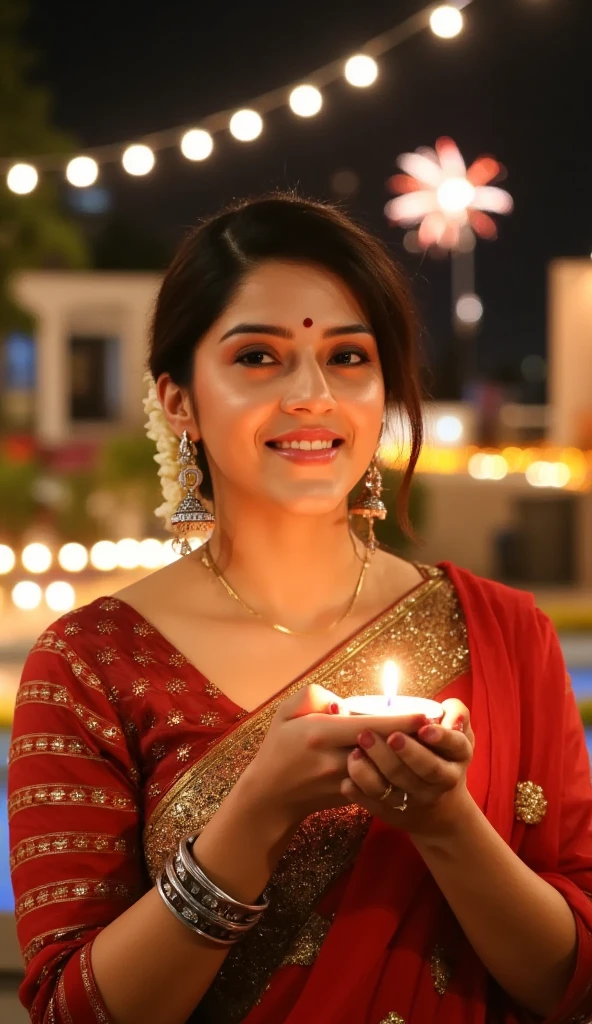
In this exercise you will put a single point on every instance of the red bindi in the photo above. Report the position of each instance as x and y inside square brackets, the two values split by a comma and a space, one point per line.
[307, 322]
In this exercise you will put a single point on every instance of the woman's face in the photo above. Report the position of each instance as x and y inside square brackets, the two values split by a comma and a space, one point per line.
[288, 390]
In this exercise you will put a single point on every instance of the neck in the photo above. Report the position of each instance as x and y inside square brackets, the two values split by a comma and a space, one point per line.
[299, 571]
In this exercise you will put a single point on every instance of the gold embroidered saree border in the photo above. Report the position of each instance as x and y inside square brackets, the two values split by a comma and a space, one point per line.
[256, 724]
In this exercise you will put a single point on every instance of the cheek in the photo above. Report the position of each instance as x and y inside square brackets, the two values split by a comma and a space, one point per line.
[229, 417]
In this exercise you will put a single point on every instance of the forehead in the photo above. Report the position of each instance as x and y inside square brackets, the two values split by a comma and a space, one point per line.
[277, 292]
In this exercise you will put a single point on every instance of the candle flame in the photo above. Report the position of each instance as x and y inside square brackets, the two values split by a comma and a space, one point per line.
[390, 680]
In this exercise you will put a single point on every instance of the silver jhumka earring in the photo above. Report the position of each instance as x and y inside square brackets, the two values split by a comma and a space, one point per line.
[370, 504]
[191, 516]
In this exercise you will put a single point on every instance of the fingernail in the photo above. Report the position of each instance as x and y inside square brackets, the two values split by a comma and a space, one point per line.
[430, 734]
[357, 753]
[396, 741]
[459, 725]
[334, 708]
[366, 740]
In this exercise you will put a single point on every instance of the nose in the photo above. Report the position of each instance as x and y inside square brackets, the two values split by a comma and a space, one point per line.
[307, 389]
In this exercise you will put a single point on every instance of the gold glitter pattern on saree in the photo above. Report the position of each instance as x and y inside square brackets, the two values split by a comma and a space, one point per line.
[426, 634]
[307, 944]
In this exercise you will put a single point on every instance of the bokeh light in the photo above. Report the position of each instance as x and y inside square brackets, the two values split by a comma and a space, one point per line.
[103, 555]
[469, 309]
[483, 466]
[73, 557]
[197, 144]
[22, 178]
[7, 559]
[36, 557]
[151, 553]
[246, 125]
[138, 160]
[305, 100]
[26, 595]
[446, 21]
[128, 553]
[449, 429]
[60, 596]
[361, 70]
[82, 171]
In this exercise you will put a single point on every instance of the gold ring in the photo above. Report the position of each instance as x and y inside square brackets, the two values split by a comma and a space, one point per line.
[403, 806]
[387, 792]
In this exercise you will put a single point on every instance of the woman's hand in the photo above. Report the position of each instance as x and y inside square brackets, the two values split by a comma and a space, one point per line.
[430, 768]
[303, 760]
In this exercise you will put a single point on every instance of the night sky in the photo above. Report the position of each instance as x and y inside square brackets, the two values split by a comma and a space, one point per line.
[516, 84]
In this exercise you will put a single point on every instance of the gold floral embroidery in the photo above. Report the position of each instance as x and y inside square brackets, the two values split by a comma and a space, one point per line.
[66, 843]
[426, 633]
[50, 743]
[37, 691]
[392, 1018]
[107, 626]
[441, 972]
[307, 944]
[144, 629]
[72, 629]
[90, 987]
[50, 641]
[177, 686]
[139, 687]
[154, 790]
[183, 752]
[68, 890]
[158, 751]
[210, 719]
[68, 795]
[177, 659]
[530, 804]
[144, 658]
[175, 717]
[210, 690]
[111, 604]
[107, 655]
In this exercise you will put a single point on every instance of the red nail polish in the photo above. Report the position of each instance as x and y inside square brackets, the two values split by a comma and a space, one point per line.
[357, 753]
[366, 740]
[334, 708]
[396, 741]
[430, 734]
[459, 725]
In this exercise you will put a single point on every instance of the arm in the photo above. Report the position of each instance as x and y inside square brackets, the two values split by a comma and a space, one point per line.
[97, 946]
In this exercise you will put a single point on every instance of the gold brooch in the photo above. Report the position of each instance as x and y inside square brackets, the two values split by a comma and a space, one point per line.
[530, 803]
[392, 1018]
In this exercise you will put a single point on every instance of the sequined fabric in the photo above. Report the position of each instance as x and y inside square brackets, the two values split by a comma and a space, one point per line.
[120, 747]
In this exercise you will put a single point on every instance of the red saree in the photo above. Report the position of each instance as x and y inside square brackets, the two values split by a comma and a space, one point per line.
[120, 747]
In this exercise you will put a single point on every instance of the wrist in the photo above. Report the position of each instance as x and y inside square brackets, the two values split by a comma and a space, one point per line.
[269, 812]
[450, 830]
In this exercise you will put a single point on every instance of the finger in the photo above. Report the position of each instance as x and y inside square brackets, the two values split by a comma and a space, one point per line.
[313, 699]
[447, 743]
[428, 766]
[354, 795]
[373, 781]
[456, 715]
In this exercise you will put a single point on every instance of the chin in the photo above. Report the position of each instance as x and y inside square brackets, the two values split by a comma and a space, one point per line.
[317, 500]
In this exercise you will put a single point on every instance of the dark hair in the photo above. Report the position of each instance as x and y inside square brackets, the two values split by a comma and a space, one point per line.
[213, 259]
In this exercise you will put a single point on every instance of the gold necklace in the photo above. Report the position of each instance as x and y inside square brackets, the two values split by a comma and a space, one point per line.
[210, 564]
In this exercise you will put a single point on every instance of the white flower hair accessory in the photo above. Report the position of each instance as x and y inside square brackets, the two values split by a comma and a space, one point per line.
[167, 447]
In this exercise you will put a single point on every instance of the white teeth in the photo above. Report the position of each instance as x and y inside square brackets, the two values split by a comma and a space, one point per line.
[305, 446]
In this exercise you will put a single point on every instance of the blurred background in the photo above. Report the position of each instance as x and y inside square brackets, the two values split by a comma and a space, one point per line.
[458, 133]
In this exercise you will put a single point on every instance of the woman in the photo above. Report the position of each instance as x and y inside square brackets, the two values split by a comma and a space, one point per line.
[345, 870]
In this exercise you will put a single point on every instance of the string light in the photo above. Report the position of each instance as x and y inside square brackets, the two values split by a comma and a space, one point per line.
[36, 557]
[246, 125]
[60, 596]
[469, 309]
[82, 171]
[73, 557]
[305, 100]
[361, 71]
[151, 553]
[22, 178]
[26, 595]
[103, 555]
[446, 21]
[7, 559]
[128, 553]
[197, 144]
[138, 160]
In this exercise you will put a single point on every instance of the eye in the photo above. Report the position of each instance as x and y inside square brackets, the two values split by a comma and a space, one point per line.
[349, 357]
[255, 357]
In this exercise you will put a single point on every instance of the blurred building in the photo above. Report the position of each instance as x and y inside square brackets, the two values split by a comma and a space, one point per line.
[570, 351]
[81, 375]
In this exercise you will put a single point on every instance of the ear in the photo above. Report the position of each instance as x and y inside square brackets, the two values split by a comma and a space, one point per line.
[176, 405]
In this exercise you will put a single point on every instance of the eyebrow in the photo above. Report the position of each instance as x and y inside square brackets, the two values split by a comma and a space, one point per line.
[283, 332]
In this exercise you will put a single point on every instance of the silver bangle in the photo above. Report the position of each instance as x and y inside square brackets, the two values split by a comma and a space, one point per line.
[211, 896]
[187, 916]
[202, 911]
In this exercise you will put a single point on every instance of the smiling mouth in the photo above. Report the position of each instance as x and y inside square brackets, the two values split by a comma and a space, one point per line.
[305, 446]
